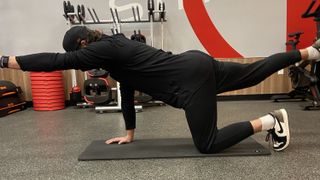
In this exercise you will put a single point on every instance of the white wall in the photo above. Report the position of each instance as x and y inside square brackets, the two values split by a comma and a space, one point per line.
[253, 27]
[30, 26]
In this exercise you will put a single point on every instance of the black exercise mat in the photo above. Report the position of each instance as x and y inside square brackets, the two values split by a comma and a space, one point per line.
[164, 148]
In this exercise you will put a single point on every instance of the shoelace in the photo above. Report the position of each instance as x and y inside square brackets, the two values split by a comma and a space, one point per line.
[272, 134]
[268, 136]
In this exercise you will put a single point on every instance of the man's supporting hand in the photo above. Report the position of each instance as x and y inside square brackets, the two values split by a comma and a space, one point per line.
[122, 140]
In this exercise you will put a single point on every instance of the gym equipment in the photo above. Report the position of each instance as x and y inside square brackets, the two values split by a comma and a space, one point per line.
[138, 37]
[306, 82]
[134, 14]
[136, 17]
[314, 74]
[47, 91]
[151, 19]
[96, 89]
[77, 18]
[138, 14]
[95, 14]
[115, 29]
[162, 15]
[81, 13]
[69, 12]
[93, 18]
[118, 20]
[164, 148]
[315, 14]
[300, 90]
[11, 98]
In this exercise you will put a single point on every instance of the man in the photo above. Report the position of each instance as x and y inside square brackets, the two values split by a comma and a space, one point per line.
[190, 80]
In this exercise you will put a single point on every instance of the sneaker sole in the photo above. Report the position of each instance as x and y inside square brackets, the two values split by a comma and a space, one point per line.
[286, 129]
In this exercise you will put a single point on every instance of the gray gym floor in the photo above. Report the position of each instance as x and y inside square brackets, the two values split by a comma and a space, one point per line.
[45, 145]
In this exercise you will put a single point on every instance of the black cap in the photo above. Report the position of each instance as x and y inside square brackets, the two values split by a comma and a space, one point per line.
[72, 36]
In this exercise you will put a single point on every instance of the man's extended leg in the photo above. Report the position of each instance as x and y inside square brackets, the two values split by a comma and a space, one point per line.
[233, 76]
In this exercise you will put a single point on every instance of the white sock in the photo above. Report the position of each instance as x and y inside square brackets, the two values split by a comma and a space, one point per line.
[267, 122]
[314, 54]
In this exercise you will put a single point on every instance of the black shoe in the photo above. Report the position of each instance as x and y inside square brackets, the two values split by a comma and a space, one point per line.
[280, 134]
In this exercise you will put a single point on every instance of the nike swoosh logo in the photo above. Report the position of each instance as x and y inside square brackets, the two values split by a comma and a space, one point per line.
[281, 129]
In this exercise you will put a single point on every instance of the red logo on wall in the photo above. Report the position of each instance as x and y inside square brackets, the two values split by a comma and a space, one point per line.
[217, 46]
[206, 31]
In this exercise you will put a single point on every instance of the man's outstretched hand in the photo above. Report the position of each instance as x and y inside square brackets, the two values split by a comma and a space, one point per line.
[9, 62]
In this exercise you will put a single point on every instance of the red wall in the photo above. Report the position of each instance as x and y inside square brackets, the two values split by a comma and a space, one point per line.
[295, 23]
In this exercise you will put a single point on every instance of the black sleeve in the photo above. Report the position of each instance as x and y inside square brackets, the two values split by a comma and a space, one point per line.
[96, 55]
[127, 106]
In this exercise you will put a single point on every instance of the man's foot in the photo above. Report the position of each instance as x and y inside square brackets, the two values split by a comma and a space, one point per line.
[316, 45]
[279, 134]
[314, 51]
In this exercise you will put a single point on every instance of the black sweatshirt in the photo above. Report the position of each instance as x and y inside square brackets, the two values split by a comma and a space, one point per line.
[166, 77]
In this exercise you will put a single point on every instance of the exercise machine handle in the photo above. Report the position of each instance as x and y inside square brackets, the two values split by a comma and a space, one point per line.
[308, 13]
[151, 5]
[295, 41]
[295, 35]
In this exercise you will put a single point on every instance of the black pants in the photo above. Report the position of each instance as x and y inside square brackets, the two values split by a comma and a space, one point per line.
[201, 111]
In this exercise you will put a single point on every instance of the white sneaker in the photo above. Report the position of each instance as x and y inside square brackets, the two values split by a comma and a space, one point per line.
[316, 45]
[280, 134]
